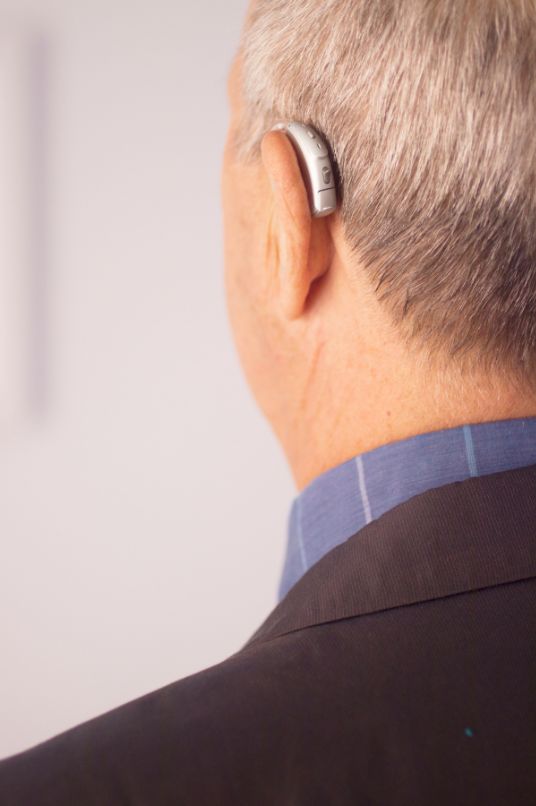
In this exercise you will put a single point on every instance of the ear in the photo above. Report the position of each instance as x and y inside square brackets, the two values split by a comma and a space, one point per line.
[303, 243]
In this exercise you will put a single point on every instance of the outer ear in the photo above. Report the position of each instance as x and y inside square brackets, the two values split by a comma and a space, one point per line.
[298, 265]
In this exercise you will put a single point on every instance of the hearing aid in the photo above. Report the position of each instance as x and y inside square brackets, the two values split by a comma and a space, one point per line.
[315, 164]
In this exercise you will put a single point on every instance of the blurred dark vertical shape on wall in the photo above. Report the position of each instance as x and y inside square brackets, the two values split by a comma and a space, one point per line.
[39, 254]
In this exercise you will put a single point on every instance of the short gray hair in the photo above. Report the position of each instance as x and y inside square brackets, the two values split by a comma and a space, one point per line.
[429, 107]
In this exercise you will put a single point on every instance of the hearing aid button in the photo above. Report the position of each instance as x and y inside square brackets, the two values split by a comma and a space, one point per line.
[321, 150]
[311, 134]
[322, 173]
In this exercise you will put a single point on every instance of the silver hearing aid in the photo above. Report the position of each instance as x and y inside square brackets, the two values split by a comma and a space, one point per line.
[315, 163]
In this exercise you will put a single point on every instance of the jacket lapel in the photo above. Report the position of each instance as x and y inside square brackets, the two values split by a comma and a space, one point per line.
[459, 537]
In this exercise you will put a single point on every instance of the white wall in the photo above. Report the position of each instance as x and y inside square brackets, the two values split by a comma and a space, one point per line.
[143, 499]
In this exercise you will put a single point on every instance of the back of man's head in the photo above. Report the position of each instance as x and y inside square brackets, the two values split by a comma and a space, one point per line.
[429, 107]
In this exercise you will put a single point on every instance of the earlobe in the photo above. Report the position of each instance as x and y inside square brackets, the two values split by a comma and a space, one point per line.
[298, 265]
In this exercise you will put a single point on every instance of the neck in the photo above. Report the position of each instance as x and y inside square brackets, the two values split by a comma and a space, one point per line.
[339, 427]
[355, 385]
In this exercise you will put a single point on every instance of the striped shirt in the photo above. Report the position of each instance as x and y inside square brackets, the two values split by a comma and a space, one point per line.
[341, 501]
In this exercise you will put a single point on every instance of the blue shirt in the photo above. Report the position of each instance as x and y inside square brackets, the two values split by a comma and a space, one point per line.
[339, 502]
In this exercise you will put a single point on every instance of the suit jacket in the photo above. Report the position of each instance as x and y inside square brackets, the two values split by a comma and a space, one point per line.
[401, 669]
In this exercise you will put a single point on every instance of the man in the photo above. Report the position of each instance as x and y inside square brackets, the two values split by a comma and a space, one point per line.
[392, 346]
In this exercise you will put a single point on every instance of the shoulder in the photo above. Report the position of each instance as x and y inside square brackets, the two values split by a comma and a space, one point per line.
[237, 732]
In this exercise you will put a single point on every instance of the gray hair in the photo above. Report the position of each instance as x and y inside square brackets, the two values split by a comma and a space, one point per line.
[429, 107]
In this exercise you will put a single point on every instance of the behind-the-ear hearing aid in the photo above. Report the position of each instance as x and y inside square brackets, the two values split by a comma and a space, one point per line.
[315, 163]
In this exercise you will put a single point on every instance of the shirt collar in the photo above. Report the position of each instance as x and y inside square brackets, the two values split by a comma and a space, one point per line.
[342, 500]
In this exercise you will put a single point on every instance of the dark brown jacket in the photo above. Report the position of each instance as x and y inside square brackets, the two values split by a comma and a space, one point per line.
[401, 669]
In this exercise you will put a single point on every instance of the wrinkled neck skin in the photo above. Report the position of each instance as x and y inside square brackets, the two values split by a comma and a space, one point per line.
[354, 387]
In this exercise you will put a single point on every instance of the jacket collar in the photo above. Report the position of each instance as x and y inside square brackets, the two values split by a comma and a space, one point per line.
[452, 539]
[342, 500]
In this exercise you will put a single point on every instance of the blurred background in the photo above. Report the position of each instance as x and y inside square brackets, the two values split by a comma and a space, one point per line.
[143, 499]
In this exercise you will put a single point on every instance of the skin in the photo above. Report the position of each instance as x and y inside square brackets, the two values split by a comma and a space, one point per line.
[321, 357]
